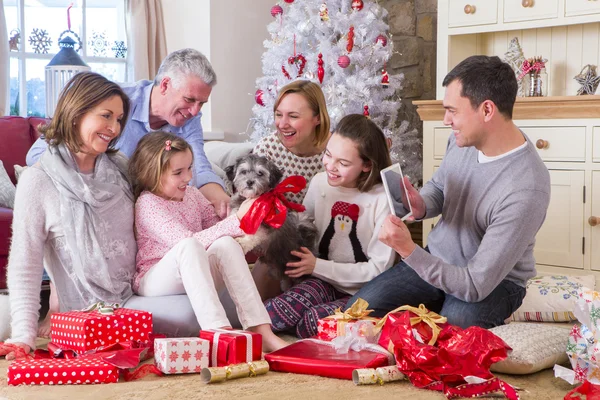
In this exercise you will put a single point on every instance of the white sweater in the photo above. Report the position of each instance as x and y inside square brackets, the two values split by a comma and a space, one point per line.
[348, 222]
[38, 242]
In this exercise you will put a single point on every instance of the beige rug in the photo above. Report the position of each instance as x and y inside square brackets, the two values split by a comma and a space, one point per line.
[274, 385]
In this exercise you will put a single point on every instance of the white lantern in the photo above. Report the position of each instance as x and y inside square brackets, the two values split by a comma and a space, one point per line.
[63, 66]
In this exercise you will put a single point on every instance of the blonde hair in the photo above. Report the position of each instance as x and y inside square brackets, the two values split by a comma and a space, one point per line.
[371, 145]
[151, 159]
[316, 101]
[80, 95]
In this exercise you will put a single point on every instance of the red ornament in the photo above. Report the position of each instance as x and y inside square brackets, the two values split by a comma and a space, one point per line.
[344, 61]
[357, 5]
[320, 70]
[366, 111]
[381, 39]
[385, 78]
[299, 60]
[258, 97]
[276, 10]
[350, 44]
[289, 1]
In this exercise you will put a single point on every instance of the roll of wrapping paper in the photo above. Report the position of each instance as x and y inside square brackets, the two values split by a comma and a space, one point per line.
[243, 370]
[379, 375]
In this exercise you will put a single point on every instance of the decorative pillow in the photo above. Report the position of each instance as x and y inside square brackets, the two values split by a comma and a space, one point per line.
[551, 298]
[18, 171]
[535, 347]
[7, 189]
[224, 154]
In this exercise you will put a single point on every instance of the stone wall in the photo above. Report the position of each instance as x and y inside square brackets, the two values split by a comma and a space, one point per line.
[413, 25]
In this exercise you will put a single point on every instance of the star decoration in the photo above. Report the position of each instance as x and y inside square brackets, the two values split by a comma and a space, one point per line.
[199, 354]
[173, 356]
[589, 80]
[186, 355]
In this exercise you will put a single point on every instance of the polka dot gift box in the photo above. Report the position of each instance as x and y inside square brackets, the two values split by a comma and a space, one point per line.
[181, 355]
[87, 330]
[53, 371]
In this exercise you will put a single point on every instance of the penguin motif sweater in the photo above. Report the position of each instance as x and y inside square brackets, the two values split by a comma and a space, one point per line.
[348, 221]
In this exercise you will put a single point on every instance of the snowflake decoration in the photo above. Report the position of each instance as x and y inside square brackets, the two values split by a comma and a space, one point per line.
[40, 41]
[589, 80]
[98, 44]
[119, 49]
[15, 40]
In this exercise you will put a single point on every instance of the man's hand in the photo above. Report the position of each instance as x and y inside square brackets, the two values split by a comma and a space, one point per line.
[395, 234]
[416, 200]
[305, 266]
[8, 350]
[217, 196]
[244, 207]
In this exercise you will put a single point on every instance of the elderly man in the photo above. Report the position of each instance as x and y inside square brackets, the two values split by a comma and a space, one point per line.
[171, 103]
[492, 191]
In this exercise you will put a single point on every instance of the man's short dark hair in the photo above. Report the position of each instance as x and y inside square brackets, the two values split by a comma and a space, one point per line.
[486, 78]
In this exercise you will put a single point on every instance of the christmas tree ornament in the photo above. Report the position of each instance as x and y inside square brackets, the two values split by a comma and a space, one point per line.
[276, 10]
[15, 40]
[320, 69]
[357, 5]
[258, 97]
[515, 58]
[289, 1]
[324, 12]
[98, 43]
[343, 61]
[366, 111]
[588, 79]
[119, 49]
[350, 44]
[381, 39]
[385, 78]
[40, 41]
[298, 60]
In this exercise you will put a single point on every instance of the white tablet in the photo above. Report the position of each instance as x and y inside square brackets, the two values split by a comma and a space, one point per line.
[397, 195]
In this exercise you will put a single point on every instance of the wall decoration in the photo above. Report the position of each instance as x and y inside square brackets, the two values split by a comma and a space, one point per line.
[588, 79]
[40, 41]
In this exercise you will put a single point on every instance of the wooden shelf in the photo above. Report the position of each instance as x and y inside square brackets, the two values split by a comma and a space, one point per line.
[560, 107]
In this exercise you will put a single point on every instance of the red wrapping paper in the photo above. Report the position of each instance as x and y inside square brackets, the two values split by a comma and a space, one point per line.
[586, 391]
[82, 331]
[313, 357]
[232, 346]
[51, 371]
[328, 329]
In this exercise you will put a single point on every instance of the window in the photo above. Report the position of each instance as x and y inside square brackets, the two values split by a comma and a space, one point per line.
[37, 26]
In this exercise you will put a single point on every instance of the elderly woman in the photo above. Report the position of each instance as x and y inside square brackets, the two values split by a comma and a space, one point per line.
[73, 210]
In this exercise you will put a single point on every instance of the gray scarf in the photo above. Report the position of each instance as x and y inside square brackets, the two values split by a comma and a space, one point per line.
[82, 201]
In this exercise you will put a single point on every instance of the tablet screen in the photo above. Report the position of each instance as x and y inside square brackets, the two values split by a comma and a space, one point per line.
[393, 182]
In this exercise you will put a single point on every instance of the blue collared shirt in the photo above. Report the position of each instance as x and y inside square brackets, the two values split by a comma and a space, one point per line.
[138, 125]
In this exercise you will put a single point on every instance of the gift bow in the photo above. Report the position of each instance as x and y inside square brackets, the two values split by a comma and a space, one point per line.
[358, 310]
[103, 308]
[271, 207]
[423, 315]
[531, 66]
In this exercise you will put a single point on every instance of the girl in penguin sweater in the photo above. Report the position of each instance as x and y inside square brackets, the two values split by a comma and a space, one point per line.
[349, 205]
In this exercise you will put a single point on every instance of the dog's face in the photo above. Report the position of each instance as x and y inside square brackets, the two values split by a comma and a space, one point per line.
[253, 175]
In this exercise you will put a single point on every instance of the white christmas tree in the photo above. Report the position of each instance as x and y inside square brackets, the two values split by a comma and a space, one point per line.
[345, 46]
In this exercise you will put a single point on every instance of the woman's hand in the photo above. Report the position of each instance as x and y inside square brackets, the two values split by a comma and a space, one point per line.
[244, 207]
[13, 350]
[305, 266]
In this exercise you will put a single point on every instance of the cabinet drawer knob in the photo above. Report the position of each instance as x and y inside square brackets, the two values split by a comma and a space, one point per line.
[527, 3]
[542, 144]
[593, 221]
[469, 9]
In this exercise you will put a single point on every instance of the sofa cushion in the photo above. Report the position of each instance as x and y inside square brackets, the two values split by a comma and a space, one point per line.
[17, 134]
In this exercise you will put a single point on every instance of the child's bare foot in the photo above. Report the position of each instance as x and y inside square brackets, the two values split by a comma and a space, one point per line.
[44, 327]
[273, 342]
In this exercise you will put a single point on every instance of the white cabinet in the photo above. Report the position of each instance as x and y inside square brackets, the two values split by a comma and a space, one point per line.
[472, 12]
[569, 145]
[581, 7]
[529, 10]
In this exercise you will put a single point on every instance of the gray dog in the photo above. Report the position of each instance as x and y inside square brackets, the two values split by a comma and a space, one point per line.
[251, 176]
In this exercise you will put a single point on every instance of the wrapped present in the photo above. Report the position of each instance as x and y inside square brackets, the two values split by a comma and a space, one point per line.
[444, 357]
[335, 325]
[99, 326]
[181, 355]
[52, 371]
[229, 346]
[583, 346]
[317, 357]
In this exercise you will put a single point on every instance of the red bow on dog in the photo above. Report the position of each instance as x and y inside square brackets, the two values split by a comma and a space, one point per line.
[271, 207]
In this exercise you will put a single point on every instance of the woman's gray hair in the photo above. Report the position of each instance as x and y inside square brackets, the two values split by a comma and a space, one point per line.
[181, 63]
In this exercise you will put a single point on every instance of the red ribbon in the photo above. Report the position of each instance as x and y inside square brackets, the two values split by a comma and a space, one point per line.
[271, 207]
[527, 67]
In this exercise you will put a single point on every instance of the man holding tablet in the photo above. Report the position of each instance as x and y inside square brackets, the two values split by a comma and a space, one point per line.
[492, 191]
